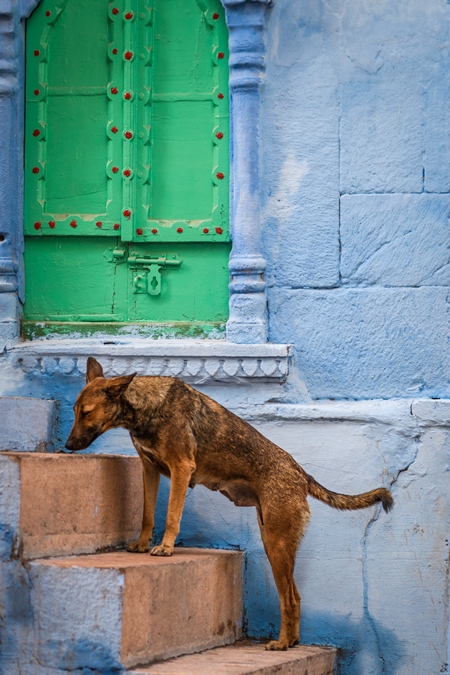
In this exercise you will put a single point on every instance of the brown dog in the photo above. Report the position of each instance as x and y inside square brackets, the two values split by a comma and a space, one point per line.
[183, 434]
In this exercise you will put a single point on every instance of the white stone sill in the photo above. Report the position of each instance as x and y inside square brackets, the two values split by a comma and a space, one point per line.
[405, 412]
[196, 361]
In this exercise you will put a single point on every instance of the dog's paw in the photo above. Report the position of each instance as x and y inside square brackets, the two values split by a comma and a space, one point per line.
[294, 641]
[138, 547]
[162, 550]
[277, 646]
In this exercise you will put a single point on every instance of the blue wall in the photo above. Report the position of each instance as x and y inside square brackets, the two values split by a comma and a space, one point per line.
[356, 174]
[355, 178]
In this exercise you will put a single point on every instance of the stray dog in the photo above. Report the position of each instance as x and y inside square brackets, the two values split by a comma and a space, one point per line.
[183, 434]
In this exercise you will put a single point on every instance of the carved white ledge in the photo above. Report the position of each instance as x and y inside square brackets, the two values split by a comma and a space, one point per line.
[195, 361]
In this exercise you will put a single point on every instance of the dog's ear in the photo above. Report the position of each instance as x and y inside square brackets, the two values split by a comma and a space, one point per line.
[93, 370]
[119, 385]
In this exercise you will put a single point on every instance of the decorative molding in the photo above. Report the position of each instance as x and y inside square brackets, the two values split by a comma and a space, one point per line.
[11, 153]
[196, 361]
[8, 275]
[248, 307]
[9, 49]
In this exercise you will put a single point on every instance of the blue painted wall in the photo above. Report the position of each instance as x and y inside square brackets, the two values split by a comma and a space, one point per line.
[355, 179]
[356, 175]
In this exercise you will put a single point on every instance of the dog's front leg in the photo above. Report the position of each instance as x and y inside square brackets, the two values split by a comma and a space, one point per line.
[151, 485]
[180, 476]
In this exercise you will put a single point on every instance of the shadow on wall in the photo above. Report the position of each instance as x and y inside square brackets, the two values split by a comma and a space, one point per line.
[18, 650]
[83, 655]
[364, 645]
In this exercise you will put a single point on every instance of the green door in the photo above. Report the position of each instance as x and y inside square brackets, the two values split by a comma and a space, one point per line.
[126, 165]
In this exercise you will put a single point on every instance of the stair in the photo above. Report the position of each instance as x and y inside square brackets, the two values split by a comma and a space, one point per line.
[106, 612]
[145, 608]
[246, 658]
[70, 504]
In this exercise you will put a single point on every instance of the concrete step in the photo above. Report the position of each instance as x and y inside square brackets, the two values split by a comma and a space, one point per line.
[113, 610]
[246, 658]
[57, 504]
[27, 424]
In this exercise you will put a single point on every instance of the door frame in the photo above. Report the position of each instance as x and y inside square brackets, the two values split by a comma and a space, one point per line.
[246, 21]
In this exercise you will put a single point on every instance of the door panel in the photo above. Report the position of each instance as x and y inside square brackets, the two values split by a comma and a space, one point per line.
[67, 186]
[182, 163]
[77, 182]
[189, 291]
[74, 279]
[127, 158]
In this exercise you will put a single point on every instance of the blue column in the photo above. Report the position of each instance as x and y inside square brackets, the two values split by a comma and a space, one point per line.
[12, 75]
[248, 310]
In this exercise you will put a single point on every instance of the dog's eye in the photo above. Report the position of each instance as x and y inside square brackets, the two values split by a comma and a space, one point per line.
[87, 409]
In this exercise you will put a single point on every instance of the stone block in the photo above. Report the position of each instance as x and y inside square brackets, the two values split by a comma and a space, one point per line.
[300, 142]
[116, 610]
[381, 134]
[437, 128]
[365, 343]
[28, 424]
[9, 330]
[246, 658]
[8, 307]
[73, 504]
[395, 240]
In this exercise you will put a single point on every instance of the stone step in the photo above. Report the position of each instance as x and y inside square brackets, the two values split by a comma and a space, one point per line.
[57, 504]
[27, 424]
[116, 610]
[246, 658]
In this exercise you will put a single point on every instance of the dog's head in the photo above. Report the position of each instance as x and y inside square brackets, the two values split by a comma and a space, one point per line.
[97, 406]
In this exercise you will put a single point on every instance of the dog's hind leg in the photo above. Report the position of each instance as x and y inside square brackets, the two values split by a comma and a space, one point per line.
[151, 485]
[281, 534]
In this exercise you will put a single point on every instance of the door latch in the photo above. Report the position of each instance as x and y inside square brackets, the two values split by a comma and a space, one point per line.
[147, 268]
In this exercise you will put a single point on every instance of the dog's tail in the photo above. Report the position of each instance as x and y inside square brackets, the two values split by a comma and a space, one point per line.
[349, 502]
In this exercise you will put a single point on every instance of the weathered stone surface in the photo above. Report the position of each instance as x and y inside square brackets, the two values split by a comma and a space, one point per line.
[8, 307]
[121, 609]
[437, 127]
[9, 330]
[395, 240]
[383, 343]
[73, 504]
[9, 506]
[246, 658]
[300, 215]
[27, 424]
[381, 141]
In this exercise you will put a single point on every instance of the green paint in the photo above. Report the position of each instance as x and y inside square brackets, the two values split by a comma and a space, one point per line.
[33, 330]
[78, 279]
[77, 150]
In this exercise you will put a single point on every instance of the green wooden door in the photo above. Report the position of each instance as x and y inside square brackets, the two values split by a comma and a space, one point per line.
[126, 165]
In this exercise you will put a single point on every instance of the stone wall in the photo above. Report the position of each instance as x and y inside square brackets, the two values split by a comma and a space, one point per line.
[356, 176]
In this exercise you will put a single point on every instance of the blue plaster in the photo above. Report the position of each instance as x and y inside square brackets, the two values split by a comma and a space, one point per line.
[385, 342]
[15, 617]
[348, 157]
[84, 656]
[8, 538]
[395, 240]
[355, 140]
